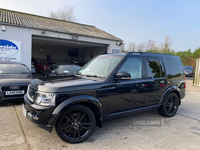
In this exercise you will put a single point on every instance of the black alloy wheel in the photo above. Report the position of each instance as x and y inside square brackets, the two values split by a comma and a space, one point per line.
[76, 124]
[170, 105]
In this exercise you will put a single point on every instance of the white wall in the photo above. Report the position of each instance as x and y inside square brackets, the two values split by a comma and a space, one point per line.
[24, 35]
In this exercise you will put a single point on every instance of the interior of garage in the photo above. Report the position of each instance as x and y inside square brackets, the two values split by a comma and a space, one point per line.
[65, 51]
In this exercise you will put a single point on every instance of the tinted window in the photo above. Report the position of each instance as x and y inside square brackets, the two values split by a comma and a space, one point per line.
[13, 69]
[175, 65]
[153, 68]
[162, 69]
[133, 66]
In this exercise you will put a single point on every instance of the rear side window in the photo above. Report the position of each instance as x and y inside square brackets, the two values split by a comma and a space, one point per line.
[155, 68]
[175, 65]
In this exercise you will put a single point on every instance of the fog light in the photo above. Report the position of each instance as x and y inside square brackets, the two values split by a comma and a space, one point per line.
[36, 115]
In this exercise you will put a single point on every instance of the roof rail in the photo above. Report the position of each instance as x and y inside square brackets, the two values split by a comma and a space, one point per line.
[130, 53]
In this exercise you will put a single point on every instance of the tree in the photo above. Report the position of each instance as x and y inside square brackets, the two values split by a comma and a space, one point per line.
[196, 53]
[141, 47]
[152, 51]
[186, 57]
[151, 45]
[166, 45]
[123, 49]
[66, 13]
[131, 47]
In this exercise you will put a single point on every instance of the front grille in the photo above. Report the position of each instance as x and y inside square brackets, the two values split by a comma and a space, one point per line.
[8, 88]
[31, 92]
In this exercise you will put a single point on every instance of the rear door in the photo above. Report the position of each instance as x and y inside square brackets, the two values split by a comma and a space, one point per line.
[156, 80]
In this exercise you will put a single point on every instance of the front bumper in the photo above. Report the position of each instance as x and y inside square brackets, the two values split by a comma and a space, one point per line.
[38, 115]
[13, 99]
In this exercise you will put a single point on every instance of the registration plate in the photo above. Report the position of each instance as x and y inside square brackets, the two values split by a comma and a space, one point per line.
[24, 110]
[19, 92]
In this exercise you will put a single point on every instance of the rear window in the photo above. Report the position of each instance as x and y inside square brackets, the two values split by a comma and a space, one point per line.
[175, 65]
[13, 69]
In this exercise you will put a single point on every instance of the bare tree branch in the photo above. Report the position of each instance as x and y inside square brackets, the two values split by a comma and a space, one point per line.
[141, 47]
[66, 13]
[131, 47]
[166, 45]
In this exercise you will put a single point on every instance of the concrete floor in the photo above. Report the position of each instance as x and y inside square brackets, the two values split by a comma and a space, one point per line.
[180, 132]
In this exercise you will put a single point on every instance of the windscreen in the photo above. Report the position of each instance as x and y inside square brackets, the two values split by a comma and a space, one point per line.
[100, 66]
[69, 69]
[13, 69]
[188, 68]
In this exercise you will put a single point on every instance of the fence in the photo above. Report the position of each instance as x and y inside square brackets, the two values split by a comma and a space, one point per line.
[196, 77]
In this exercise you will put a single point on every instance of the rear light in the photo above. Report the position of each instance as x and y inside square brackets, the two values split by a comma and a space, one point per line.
[185, 81]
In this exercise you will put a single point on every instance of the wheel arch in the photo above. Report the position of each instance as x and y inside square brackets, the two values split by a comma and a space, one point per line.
[86, 100]
[171, 89]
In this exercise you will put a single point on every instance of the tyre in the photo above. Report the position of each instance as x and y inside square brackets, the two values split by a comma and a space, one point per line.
[169, 106]
[76, 124]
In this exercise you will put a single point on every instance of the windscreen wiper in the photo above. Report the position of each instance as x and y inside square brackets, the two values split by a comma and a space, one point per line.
[91, 76]
[95, 76]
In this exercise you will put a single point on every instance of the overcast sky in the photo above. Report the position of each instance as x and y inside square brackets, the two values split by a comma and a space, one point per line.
[131, 20]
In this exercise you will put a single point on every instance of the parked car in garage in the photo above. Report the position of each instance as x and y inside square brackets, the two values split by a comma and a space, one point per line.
[33, 71]
[14, 80]
[109, 86]
[61, 70]
[43, 65]
[79, 63]
[188, 71]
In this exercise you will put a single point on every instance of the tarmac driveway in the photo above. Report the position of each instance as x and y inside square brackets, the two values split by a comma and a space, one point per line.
[180, 132]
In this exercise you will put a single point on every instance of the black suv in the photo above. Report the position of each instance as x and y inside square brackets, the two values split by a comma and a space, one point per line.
[108, 86]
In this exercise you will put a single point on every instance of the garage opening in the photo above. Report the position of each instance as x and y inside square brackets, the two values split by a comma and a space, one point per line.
[64, 51]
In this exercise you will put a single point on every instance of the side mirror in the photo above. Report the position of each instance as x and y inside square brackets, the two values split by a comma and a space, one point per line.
[122, 76]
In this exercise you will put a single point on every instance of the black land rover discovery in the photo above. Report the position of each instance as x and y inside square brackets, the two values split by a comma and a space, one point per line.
[108, 86]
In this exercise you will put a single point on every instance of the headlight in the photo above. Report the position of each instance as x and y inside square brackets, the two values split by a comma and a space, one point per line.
[45, 99]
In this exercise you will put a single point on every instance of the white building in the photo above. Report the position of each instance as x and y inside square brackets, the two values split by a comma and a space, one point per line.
[23, 36]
